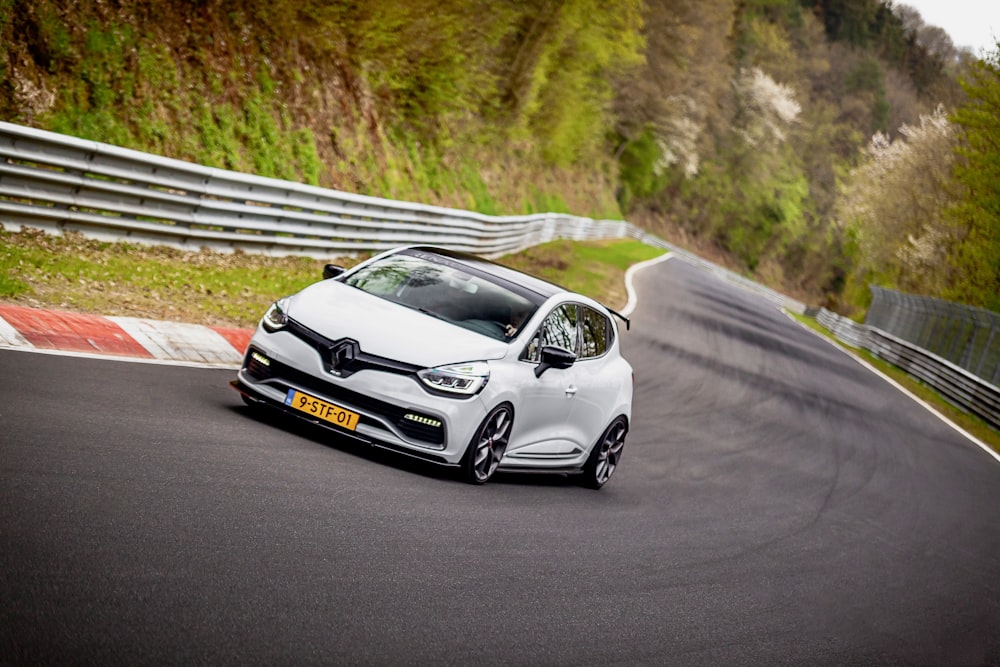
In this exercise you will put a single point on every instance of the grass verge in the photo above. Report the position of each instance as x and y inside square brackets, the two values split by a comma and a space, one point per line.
[968, 422]
[73, 273]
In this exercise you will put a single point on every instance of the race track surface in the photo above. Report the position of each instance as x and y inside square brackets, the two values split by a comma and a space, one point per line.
[777, 504]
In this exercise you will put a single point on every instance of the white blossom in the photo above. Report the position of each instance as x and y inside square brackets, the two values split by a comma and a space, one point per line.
[895, 200]
[678, 140]
[770, 106]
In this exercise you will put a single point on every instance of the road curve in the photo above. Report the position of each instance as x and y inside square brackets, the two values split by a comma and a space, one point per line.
[777, 504]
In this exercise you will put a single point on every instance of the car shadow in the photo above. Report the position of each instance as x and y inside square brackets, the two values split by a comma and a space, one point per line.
[289, 424]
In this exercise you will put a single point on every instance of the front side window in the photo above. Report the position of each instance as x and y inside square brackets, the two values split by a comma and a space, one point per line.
[559, 329]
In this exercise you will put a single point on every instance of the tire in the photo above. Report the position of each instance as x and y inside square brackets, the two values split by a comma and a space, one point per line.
[488, 445]
[605, 456]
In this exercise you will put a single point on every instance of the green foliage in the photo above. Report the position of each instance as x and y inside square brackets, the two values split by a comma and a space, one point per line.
[556, 89]
[976, 257]
[13, 264]
[872, 25]
[894, 205]
[127, 89]
[867, 78]
[479, 197]
[544, 202]
[55, 37]
[641, 170]
[766, 217]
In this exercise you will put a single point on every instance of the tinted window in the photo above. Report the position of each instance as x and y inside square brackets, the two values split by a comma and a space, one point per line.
[595, 330]
[445, 291]
[558, 329]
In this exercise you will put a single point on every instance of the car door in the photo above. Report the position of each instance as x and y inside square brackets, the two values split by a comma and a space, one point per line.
[544, 423]
[596, 384]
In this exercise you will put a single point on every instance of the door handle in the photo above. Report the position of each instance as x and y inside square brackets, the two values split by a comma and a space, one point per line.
[570, 391]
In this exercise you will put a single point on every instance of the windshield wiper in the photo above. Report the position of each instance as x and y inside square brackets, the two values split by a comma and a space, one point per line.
[434, 315]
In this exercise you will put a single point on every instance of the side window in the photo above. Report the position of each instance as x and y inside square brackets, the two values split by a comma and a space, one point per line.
[558, 329]
[595, 330]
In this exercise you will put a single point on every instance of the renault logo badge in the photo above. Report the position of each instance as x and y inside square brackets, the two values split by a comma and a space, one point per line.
[342, 353]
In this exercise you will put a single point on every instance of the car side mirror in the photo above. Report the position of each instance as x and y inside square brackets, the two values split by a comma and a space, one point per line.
[554, 357]
[332, 271]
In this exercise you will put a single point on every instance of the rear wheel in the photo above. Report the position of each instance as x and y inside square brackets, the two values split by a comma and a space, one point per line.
[604, 458]
[488, 445]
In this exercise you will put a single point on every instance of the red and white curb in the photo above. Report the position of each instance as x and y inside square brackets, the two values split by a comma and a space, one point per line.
[121, 337]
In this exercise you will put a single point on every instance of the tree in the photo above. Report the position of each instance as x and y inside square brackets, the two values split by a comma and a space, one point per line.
[895, 207]
[665, 107]
[559, 60]
[976, 256]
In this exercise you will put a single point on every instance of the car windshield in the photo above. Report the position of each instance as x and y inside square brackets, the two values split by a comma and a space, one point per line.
[445, 289]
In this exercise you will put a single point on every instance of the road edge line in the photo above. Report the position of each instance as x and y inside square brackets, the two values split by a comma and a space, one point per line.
[633, 298]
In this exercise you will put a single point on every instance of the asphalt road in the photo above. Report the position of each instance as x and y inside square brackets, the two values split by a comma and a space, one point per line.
[777, 504]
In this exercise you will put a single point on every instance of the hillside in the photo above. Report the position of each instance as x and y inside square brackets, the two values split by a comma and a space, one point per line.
[737, 128]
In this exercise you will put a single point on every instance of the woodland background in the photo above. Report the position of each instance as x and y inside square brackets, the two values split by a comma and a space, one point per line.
[817, 145]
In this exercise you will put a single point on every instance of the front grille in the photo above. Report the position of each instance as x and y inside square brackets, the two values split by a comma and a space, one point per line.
[358, 359]
[426, 432]
[391, 413]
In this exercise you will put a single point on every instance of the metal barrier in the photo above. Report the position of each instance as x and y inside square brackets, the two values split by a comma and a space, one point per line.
[966, 336]
[56, 182]
[969, 392]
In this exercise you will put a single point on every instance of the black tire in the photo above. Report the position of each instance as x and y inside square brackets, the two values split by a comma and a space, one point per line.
[605, 456]
[488, 445]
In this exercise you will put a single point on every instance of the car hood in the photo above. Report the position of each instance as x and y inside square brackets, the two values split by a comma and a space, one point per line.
[387, 329]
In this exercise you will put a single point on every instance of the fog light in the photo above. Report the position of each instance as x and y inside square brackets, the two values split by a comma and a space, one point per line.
[420, 419]
[260, 358]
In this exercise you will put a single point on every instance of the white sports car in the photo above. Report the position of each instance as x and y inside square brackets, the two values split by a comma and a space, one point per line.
[452, 359]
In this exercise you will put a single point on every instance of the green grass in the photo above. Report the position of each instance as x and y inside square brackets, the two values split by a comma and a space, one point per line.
[968, 422]
[596, 269]
[73, 273]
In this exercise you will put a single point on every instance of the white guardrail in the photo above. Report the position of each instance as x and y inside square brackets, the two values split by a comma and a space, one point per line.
[58, 183]
[958, 385]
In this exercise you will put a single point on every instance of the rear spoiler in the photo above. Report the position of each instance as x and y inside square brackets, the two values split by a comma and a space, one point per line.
[627, 321]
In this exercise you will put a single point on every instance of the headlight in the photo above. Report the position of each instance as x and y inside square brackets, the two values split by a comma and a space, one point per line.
[276, 316]
[462, 379]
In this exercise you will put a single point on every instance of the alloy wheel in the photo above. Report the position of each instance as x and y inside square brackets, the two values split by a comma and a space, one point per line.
[490, 444]
[606, 455]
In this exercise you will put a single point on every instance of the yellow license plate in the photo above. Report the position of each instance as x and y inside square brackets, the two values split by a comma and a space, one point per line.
[322, 410]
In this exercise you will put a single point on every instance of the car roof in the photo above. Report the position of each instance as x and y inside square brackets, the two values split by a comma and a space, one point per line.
[543, 288]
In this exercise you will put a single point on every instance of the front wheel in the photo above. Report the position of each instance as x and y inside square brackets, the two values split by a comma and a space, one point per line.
[604, 458]
[488, 445]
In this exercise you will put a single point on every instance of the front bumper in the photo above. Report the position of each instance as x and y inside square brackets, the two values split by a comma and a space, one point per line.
[256, 397]
[396, 413]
